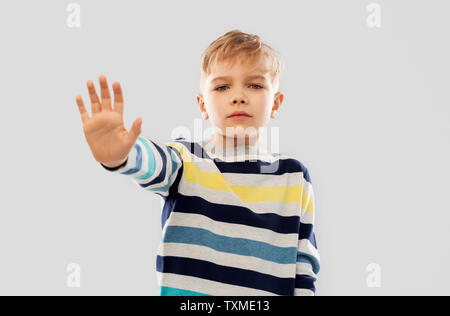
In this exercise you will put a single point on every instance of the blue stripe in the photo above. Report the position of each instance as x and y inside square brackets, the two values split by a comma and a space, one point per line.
[305, 282]
[238, 246]
[305, 257]
[151, 160]
[138, 161]
[162, 175]
[236, 214]
[229, 275]
[172, 291]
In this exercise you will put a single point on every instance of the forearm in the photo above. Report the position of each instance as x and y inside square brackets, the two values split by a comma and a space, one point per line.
[154, 166]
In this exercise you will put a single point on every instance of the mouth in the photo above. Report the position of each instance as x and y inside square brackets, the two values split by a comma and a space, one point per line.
[239, 117]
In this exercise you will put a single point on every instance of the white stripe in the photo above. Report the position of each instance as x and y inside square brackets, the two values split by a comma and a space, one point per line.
[233, 230]
[303, 292]
[307, 217]
[305, 246]
[228, 259]
[263, 180]
[230, 198]
[308, 190]
[206, 286]
[305, 268]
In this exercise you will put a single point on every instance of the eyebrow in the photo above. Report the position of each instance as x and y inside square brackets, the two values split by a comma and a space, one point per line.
[248, 77]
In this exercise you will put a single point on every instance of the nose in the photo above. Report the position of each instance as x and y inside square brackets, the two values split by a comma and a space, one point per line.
[237, 100]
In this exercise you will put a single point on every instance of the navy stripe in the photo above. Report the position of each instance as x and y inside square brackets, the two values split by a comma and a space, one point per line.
[195, 149]
[229, 275]
[305, 173]
[279, 167]
[236, 214]
[313, 240]
[162, 175]
[171, 198]
[306, 231]
[138, 161]
[303, 281]
[174, 188]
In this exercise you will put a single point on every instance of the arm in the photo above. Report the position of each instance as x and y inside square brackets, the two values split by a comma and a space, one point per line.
[308, 260]
[152, 166]
[155, 167]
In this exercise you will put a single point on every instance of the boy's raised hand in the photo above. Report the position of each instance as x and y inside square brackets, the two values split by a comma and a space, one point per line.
[105, 132]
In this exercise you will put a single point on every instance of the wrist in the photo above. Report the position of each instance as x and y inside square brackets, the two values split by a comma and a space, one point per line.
[115, 165]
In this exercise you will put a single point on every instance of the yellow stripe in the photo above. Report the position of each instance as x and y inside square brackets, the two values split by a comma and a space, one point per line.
[216, 181]
[310, 207]
[284, 193]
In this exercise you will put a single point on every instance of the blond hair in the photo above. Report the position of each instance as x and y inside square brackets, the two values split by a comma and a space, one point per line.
[247, 47]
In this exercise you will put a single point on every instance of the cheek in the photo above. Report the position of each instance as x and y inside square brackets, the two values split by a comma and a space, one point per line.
[261, 96]
[263, 102]
[216, 105]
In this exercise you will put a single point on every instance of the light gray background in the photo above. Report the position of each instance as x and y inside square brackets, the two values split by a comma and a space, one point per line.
[366, 110]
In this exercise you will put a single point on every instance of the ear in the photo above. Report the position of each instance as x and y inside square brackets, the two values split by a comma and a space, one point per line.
[201, 105]
[277, 102]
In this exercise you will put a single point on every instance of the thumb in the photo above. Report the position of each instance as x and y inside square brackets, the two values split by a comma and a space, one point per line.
[135, 130]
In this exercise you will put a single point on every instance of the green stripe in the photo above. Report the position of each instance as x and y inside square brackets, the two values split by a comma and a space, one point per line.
[151, 160]
[171, 291]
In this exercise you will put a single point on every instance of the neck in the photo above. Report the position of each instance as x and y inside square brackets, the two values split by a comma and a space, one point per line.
[224, 141]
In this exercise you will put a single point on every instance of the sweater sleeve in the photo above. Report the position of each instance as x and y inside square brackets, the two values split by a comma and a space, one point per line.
[308, 260]
[152, 166]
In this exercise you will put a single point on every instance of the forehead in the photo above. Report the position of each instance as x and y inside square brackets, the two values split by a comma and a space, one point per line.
[238, 68]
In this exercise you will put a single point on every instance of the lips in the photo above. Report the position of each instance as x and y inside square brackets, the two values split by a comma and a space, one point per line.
[239, 113]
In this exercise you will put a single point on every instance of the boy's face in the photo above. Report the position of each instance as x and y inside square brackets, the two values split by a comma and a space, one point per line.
[240, 91]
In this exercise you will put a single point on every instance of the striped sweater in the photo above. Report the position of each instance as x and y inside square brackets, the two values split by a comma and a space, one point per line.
[235, 221]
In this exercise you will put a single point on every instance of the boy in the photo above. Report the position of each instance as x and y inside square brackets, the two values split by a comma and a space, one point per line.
[234, 223]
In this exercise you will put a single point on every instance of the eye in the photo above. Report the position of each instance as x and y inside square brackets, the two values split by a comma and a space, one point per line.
[218, 88]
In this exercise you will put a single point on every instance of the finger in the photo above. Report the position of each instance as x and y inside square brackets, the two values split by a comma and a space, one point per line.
[104, 91]
[84, 113]
[95, 102]
[118, 98]
[135, 130]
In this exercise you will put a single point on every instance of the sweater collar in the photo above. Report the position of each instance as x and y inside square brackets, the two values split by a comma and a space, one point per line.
[239, 152]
